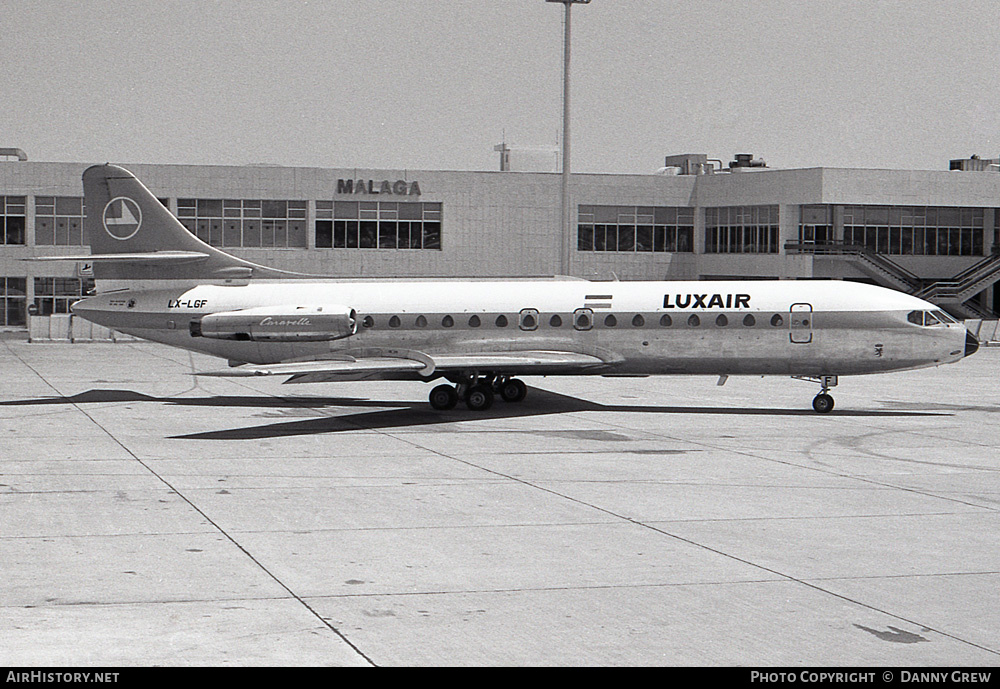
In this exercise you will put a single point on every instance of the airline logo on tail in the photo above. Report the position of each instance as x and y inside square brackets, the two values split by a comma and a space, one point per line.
[122, 217]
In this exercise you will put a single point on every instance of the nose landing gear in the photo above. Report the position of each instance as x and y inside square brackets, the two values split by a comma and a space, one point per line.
[823, 402]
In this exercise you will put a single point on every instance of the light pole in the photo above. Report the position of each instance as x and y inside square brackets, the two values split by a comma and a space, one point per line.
[566, 232]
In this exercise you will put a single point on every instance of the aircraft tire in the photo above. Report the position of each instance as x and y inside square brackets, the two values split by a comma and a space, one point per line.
[823, 403]
[513, 390]
[479, 398]
[443, 397]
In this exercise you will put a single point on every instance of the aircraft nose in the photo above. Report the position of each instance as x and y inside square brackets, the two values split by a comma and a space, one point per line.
[971, 343]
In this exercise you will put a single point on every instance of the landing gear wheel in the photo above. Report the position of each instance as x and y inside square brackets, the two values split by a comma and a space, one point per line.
[823, 403]
[513, 390]
[443, 397]
[479, 397]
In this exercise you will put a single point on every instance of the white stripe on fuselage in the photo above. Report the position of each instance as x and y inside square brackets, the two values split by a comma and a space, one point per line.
[550, 296]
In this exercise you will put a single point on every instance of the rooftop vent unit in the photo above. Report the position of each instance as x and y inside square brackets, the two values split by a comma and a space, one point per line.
[21, 155]
[689, 164]
[975, 164]
[744, 161]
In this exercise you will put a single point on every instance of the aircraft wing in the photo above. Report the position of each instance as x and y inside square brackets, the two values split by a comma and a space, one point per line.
[379, 364]
[368, 365]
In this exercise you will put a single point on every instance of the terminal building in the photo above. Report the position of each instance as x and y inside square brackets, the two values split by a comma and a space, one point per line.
[935, 234]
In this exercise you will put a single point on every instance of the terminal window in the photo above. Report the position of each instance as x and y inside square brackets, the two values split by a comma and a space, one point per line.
[741, 230]
[915, 230]
[378, 225]
[816, 224]
[635, 228]
[56, 295]
[12, 219]
[13, 299]
[246, 223]
[59, 220]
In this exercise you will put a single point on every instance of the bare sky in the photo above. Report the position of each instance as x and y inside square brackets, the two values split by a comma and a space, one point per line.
[435, 84]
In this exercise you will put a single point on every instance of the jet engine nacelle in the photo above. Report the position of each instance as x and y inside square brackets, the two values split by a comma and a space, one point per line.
[279, 324]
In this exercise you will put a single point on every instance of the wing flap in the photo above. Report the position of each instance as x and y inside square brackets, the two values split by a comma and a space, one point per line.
[504, 362]
[368, 365]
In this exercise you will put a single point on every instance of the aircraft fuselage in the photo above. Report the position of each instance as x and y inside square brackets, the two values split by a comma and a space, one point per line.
[725, 328]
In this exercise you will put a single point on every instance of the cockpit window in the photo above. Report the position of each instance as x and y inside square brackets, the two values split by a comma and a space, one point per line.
[926, 318]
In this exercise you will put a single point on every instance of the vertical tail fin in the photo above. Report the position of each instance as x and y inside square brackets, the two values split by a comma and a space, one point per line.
[134, 237]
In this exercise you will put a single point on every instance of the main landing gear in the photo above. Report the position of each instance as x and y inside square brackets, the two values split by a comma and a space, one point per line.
[478, 392]
[823, 402]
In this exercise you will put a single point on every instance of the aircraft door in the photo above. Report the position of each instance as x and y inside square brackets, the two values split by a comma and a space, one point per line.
[800, 323]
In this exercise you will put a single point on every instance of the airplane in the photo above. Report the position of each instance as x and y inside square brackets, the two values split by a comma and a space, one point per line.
[156, 280]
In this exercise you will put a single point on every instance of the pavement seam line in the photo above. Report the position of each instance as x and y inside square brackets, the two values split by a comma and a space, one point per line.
[641, 524]
[326, 623]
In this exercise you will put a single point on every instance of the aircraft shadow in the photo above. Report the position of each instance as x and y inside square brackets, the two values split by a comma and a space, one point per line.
[539, 403]
[409, 414]
[102, 396]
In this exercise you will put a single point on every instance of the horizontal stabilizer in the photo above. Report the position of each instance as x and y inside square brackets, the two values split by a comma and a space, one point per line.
[139, 257]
